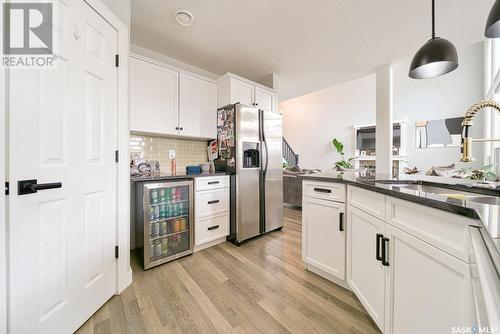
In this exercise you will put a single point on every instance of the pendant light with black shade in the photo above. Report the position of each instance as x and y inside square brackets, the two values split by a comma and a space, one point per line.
[436, 57]
[492, 29]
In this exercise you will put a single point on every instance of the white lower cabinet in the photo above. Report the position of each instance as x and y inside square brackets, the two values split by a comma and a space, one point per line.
[366, 275]
[323, 236]
[410, 278]
[211, 201]
[427, 288]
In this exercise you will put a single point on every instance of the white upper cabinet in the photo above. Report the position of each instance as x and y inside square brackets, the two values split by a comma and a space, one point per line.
[169, 101]
[241, 92]
[154, 97]
[264, 99]
[197, 107]
[233, 89]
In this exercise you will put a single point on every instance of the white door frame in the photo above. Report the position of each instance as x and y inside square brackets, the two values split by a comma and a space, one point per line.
[123, 269]
[3, 216]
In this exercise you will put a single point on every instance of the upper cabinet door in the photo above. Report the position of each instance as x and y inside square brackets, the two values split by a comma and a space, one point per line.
[154, 98]
[264, 99]
[198, 107]
[242, 92]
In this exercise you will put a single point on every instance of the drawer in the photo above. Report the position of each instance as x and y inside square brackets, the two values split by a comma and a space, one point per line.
[368, 201]
[211, 228]
[211, 202]
[444, 230]
[211, 182]
[324, 190]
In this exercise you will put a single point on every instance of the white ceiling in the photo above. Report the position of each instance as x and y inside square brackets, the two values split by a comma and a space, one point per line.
[309, 44]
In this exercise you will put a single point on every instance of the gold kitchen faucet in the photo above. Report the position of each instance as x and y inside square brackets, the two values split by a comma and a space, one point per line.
[467, 123]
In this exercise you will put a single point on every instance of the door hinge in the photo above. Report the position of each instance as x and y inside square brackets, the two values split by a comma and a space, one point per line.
[117, 60]
[117, 252]
[117, 156]
[7, 188]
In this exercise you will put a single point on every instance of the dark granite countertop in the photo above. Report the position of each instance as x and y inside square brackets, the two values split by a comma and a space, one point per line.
[487, 216]
[181, 176]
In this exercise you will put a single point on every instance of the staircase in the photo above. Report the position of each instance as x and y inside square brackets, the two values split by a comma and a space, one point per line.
[289, 155]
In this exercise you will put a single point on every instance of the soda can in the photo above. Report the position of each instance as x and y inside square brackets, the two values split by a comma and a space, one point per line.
[157, 248]
[181, 208]
[167, 194]
[163, 209]
[169, 212]
[153, 196]
[161, 196]
[157, 212]
[152, 249]
[164, 246]
[176, 209]
[151, 213]
[163, 228]
[183, 224]
[156, 229]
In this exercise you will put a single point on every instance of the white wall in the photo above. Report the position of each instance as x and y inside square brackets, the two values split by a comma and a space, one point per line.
[171, 61]
[121, 8]
[442, 97]
[311, 121]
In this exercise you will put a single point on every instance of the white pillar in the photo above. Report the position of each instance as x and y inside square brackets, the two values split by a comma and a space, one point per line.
[384, 120]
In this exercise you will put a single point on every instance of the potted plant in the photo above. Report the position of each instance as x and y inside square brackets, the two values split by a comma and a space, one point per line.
[341, 164]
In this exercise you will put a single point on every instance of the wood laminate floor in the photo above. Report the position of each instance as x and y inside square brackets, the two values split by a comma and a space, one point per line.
[259, 287]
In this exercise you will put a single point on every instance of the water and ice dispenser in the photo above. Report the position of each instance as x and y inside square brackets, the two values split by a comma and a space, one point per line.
[251, 155]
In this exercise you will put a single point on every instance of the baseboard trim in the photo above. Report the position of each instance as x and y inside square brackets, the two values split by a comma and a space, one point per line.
[328, 276]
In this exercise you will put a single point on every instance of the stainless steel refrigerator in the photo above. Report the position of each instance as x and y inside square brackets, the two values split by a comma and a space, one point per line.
[250, 144]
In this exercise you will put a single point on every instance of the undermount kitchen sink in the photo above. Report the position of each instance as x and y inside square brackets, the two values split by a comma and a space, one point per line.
[452, 193]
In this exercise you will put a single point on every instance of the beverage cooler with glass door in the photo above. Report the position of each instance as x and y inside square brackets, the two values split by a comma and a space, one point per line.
[164, 230]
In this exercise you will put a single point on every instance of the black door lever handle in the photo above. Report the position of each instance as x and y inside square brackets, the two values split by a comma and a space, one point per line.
[32, 186]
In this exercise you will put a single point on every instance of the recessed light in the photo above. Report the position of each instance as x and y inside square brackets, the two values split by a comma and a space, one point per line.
[184, 17]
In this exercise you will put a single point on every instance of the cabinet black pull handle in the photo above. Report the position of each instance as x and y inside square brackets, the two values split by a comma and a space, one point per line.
[32, 186]
[377, 251]
[181, 128]
[341, 222]
[214, 182]
[213, 202]
[213, 227]
[321, 190]
[385, 243]
[177, 128]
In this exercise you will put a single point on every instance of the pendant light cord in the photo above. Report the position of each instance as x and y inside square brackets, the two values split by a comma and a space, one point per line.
[433, 21]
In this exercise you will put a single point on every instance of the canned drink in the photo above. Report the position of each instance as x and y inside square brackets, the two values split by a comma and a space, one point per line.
[153, 196]
[157, 248]
[164, 246]
[151, 213]
[157, 212]
[177, 225]
[163, 208]
[161, 196]
[151, 249]
[163, 228]
[181, 208]
[176, 209]
[183, 224]
[167, 194]
[169, 210]
[156, 229]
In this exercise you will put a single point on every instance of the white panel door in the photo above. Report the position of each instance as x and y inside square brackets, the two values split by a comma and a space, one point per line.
[323, 236]
[264, 99]
[242, 92]
[366, 275]
[197, 107]
[427, 288]
[63, 128]
[154, 98]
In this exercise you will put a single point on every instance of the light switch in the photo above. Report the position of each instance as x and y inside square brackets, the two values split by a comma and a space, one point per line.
[171, 154]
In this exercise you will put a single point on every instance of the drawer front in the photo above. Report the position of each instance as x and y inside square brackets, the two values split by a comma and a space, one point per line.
[211, 202]
[443, 230]
[211, 228]
[324, 190]
[211, 182]
[367, 201]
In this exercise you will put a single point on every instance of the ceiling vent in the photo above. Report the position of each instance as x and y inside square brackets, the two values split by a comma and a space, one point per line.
[184, 17]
